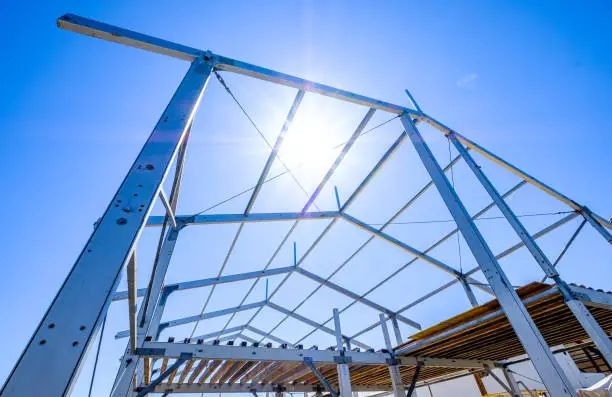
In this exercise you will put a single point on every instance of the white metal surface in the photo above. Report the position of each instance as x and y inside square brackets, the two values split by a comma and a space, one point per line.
[58, 346]
[148, 317]
[220, 352]
[394, 370]
[514, 386]
[344, 375]
[131, 275]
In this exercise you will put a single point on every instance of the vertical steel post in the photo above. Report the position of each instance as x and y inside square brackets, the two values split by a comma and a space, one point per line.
[514, 386]
[64, 335]
[131, 276]
[394, 372]
[344, 376]
[396, 331]
[468, 291]
[545, 363]
[148, 322]
[580, 311]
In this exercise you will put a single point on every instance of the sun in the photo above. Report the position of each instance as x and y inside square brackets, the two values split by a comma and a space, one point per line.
[307, 144]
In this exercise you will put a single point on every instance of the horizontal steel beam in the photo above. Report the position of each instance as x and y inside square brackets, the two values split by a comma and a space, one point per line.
[356, 297]
[122, 295]
[251, 353]
[591, 297]
[249, 388]
[214, 314]
[186, 220]
[413, 361]
[204, 316]
[130, 38]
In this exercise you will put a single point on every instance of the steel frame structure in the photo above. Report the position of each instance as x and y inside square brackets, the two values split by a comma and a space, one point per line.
[67, 330]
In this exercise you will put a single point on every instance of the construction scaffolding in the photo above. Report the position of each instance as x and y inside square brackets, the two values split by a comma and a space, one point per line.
[515, 322]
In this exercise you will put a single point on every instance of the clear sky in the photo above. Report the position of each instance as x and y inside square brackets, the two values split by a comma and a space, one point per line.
[531, 81]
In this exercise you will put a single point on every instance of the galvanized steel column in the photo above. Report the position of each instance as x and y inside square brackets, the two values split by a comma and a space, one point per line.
[545, 363]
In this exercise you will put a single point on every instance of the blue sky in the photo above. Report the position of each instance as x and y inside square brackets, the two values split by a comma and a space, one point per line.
[530, 81]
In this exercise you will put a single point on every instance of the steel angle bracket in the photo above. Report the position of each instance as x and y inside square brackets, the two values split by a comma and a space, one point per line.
[343, 358]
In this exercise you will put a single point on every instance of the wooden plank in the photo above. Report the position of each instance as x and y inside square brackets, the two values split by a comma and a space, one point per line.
[280, 378]
[222, 370]
[185, 371]
[172, 375]
[199, 368]
[164, 366]
[209, 370]
[267, 371]
[230, 371]
[261, 366]
[147, 370]
[243, 370]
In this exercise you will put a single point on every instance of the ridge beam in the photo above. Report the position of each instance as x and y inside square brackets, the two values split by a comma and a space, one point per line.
[90, 27]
